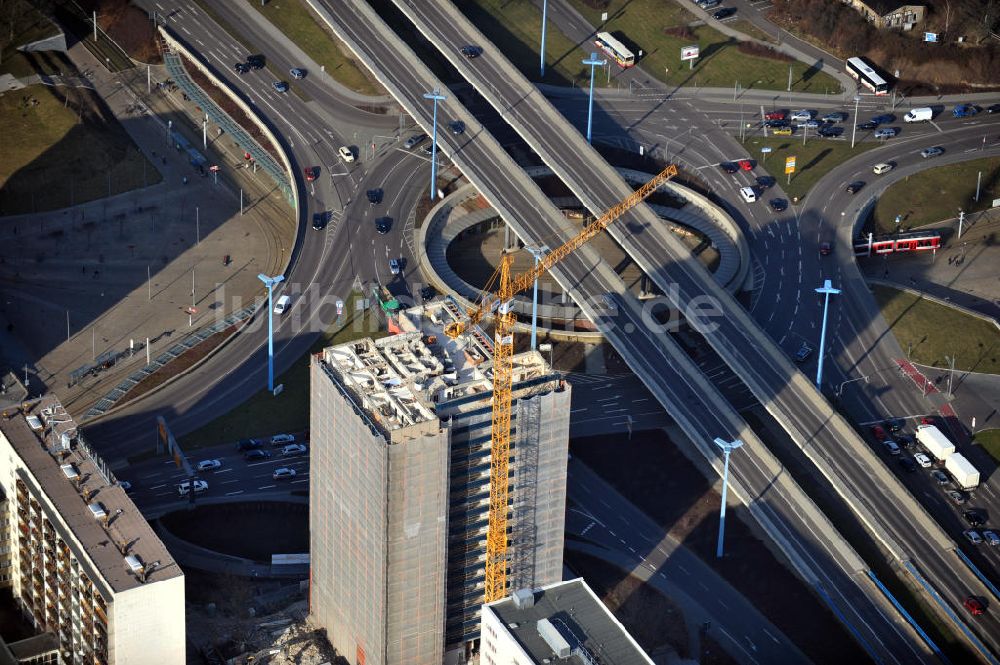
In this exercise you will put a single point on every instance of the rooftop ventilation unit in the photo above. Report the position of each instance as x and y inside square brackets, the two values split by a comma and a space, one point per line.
[70, 471]
[548, 632]
[134, 564]
[34, 422]
[524, 598]
[98, 511]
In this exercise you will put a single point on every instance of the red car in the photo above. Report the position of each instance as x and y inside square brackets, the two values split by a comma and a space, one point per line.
[775, 115]
[878, 432]
[928, 420]
[974, 605]
[745, 164]
[312, 172]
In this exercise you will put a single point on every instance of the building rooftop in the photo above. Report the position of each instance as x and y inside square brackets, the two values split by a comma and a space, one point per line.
[566, 622]
[399, 381]
[114, 535]
[883, 7]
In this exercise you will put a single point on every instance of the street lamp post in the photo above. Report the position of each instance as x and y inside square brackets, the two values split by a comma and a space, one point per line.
[854, 130]
[436, 96]
[538, 253]
[827, 290]
[727, 447]
[840, 388]
[592, 62]
[270, 283]
[545, 13]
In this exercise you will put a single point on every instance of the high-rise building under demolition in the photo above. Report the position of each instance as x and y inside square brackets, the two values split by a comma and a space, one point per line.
[399, 502]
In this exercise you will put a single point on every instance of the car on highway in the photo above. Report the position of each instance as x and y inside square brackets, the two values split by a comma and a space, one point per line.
[723, 13]
[297, 73]
[748, 194]
[836, 116]
[374, 196]
[895, 424]
[974, 517]
[940, 477]
[282, 439]
[803, 353]
[778, 205]
[255, 455]
[974, 606]
[729, 167]
[993, 108]
[825, 249]
[830, 132]
[765, 181]
[923, 460]
[247, 444]
[428, 149]
[255, 61]
[414, 141]
[886, 132]
[891, 447]
[776, 115]
[294, 449]
[867, 125]
[907, 463]
[931, 152]
[311, 173]
[184, 488]
[855, 187]
[319, 221]
[802, 115]
[878, 432]
[471, 51]
[394, 266]
[745, 164]
[241, 68]
[346, 153]
[881, 168]
[973, 537]
[992, 538]
[279, 86]
[783, 131]
[965, 111]
[383, 224]
[283, 472]
[956, 496]
[456, 127]
[884, 118]
[209, 465]
[905, 441]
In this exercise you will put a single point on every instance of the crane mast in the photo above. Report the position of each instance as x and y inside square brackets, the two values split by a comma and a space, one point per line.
[503, 367]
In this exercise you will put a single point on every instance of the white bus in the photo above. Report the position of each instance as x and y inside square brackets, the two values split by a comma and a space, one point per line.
[615, 49]
[866, 76]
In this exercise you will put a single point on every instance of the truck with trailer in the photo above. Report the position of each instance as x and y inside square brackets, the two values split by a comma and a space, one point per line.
[922, 114]
[936, 443]
[966, 476]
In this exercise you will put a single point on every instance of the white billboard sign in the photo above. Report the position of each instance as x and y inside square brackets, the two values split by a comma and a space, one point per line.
[689, 52]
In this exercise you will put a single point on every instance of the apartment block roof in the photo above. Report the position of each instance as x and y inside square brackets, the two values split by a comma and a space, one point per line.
[102, 519]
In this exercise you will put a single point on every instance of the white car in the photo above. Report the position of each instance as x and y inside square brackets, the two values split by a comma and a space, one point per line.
[923, 460]
[346, 154]
[209, 465]
[282, 473]
[801, 116]
[185, 487]
[748, 194]
[282, 439]
[294, 449]
[879, 169]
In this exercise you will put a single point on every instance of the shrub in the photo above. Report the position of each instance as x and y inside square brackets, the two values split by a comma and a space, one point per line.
[762, 51]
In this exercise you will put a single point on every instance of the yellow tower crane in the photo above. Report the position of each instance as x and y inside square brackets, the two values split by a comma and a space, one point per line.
[503, 355]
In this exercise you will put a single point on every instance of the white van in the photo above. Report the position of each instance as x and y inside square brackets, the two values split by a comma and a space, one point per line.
[748, 194]
[282, 304]
[879, 169]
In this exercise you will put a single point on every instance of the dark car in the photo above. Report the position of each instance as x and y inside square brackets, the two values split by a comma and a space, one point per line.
[729, 167]
[241, 67]
[374, 196]
[778, 205]
[940, 477]
[725, 12]
[456, 126]
[905, 441]
[855, 187]
[995, 108]
[867, 125]
[255, 61]
[974, 517]
[247, 444]
[830, 132]
[895, 424]
[470, 51]
[879, 433]
[774, 124]
[255, 455]
[297, 73]
[803, 353]
[908, 463]
[427, 292]
[280, 86]
[836, 116]
[765, 182]
[383, 224]
[319, 221]
[932, 152]
[825, 249]
[956, 496]
[884, 118]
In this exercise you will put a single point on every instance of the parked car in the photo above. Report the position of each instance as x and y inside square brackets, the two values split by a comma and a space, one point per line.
[803, 353]
[209, 465]
[776, 123]
[802, 115]
[247, 444]
[878, 432]
[282, 473]
[809, 124]
[830, 132]
[471, 51]
[855, 187]
[974, 517]
[992, 538]
[775, 115]
[456, 127]
[778, 205]
[184, 488]
[956, 496]
[974, 606]
[836, 116]
[993, 108]
[414, 141]
[346, 153]
[725, 12]
[884, 118]
[886, 132]
[729, 167]
[293, 449]
[940, 477]
[884, 167]
[280, 86]
[973, 537]
[255, 455]
[965, 111]
[923, 460]
[383, 224]
[783, 131]
[297, 73]
[282, 439]
[931, 152]
[709, 4]
[864, 126]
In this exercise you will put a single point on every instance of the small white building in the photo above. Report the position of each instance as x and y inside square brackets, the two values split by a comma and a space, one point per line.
[561, 622]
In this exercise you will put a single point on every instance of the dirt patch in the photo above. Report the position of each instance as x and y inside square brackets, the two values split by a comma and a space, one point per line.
[653, 474]
[276, 528]
[130, 28]
[179, 364]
